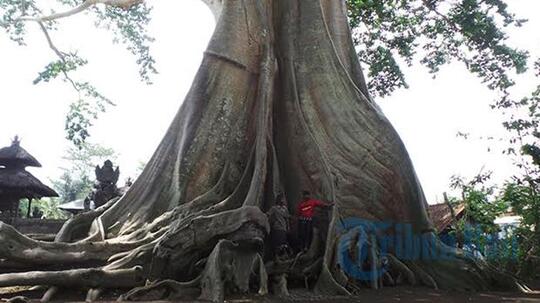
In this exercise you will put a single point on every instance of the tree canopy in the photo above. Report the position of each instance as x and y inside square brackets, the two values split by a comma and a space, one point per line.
[434, 33]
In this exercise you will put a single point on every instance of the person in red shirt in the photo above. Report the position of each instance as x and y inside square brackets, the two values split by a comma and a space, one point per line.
[305, 211]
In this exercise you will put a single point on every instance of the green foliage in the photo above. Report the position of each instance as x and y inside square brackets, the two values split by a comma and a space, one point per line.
[71, 188]
[10, 12]
[476, 230]
[70, 62]
[523, 121]
[521, 192]
[386, 32]
[50, 209]
[82, 112]
[89, 104]
[85, 159]
[77, 180]
[525, 202]
[47, 206]
[129, 27]
[434, 33]
[482, 206]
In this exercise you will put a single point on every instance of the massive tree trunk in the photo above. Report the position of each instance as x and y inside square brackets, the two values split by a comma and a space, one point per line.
[279, 104]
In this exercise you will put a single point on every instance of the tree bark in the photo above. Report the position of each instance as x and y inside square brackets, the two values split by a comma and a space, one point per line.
[279, 104]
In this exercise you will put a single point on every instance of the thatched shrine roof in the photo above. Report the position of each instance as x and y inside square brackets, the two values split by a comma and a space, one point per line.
[16, 156]
[20, 183]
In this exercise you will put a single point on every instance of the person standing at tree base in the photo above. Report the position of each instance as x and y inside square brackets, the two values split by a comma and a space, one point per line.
[278, 217]
[306, 211]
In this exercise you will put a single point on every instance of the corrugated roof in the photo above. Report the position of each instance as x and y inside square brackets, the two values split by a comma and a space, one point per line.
[75, 205]
[441, 215]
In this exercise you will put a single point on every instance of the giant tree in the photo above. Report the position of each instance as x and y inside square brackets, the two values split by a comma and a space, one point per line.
[279, 104]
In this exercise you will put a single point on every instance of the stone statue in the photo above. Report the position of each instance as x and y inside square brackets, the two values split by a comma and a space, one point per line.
[107, 173]
[105, 188]
[37, 213]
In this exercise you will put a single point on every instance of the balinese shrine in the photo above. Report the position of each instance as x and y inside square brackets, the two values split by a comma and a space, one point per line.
[16, 183]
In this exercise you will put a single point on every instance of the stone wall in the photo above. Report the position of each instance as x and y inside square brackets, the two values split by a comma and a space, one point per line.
[38, 226]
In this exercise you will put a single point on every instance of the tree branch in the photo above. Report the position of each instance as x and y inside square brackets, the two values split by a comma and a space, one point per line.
[60, 54]
[125, 4]
[82, 7]
[93, 278]
[85, 5]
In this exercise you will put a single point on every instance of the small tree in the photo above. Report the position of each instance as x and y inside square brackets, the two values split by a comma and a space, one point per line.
[523, 191]
[476, 230]
[77, 180]
[482, 205]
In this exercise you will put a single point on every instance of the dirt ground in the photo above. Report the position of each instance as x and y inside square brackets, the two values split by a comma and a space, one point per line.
[386, 295]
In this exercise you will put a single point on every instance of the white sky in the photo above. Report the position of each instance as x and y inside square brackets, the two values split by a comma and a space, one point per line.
[428, 115]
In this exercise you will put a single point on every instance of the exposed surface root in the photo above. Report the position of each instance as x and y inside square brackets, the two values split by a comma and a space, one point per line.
[230, 268]
[78, 225]
[8, 265]
[279, 285]
[19, 248]
[279, 89]
[400, 271]
[182, 247]
[165, 289]
[89, 278]
[429, 263]
[93, 294]
[425, 278]
[18, 299]
[50, 293]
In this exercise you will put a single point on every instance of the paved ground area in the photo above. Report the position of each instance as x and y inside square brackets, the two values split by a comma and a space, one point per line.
[386, 295]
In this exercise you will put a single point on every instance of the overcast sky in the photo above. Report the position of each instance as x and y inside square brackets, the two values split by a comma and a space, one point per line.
[428, 115]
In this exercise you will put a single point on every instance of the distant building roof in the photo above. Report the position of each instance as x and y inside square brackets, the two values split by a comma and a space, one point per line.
[508, 220]
[75, 206]
[441, 215]
[20, 183]
[16, 156]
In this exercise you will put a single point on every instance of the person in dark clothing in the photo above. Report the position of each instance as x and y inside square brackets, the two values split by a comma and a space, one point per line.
[37, 213]
[305, 212]
[278, 217]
